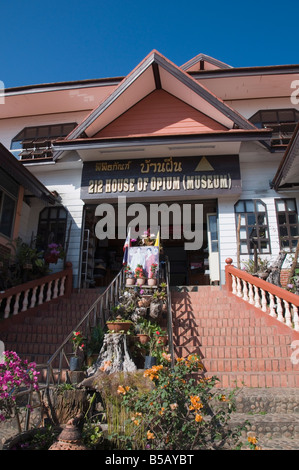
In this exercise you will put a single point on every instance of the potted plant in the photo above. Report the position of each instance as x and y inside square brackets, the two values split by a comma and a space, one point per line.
[143, 331]
[152, 280]
[156, 304]
[139, 274]
[53, 253]
[118, 322]
[130, 279]
[153, 342]
[78, 343]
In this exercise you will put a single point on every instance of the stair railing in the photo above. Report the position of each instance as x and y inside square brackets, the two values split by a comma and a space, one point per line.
[37, 292]
[277, 302]
[97, 314]
[169, 312]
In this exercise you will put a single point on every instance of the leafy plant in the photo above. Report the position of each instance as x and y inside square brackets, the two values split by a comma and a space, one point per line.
[78, 342]
[153, 270]
[95, 342]
[24, 263]
[180, 412]
[139, 273]
[15, 374]
[262, 265]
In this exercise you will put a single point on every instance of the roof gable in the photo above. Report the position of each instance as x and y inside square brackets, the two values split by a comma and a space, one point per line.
[156, 72]
[160, 114]
[203, 62]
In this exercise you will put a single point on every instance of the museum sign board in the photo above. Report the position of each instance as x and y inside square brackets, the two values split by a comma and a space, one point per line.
[160, 177]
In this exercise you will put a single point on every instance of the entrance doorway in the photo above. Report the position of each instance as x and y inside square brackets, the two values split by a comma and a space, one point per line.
[102, 259]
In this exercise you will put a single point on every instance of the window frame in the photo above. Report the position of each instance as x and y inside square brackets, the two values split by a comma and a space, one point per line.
[3, 193]
[250, 226]
[43, 241]
[35, 141]
[288, 225]
[282, 128]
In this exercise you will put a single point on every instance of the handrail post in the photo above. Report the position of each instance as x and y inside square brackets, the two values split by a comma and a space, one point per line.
[69, 279]
[228, 278]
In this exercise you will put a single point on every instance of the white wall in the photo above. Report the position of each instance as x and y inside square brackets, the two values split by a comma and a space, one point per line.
[11, 127]
[67, 183]
[258, 168]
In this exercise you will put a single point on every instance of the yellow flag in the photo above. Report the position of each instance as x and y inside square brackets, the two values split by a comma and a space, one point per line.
[157, 242]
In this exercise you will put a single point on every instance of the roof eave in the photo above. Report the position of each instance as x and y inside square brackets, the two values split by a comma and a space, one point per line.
[24, 177]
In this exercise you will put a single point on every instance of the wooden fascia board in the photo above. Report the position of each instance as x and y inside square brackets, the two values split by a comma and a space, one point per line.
[287, 160]
[96, 143]
[23, 176]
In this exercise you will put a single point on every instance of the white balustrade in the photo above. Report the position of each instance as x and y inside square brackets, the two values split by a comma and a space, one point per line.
[275, 304]
[295, 317]
[26, 296]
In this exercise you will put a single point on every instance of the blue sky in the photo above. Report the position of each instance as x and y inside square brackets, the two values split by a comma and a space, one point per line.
[45, 42]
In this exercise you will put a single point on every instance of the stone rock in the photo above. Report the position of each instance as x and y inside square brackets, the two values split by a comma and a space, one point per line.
[114, 356]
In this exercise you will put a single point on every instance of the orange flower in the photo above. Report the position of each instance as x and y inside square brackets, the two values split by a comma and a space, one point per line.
[150, 435]
[153, 372]
[198, 418]
[166, 356]
[195, 403]
[122, 390]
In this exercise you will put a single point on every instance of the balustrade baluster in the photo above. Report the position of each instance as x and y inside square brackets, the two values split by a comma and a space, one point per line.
[234, 284]
[288, 319]
[55, 292]
[62, 286]
[295, 317]
[239, 287]
[245, 291]
[257, 302]
[264, 301]
[16, 305]
[279, 309]
[33, 297]
[7, 307]
[49, 291]
[25, 300]
[272, 306]
[251, 295]
[41, 294]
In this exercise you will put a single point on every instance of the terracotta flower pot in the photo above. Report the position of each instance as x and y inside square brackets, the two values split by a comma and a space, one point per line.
[140, 281]
[118, 326]
[143, 338]
[130, 281]
[164, 339]
[152, 281]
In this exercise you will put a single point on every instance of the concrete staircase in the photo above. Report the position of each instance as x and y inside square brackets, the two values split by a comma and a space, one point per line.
[238, 343]
[245, 347]
[35, 335]
[272, 415]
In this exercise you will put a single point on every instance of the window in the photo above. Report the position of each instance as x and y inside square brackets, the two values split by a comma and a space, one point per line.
[51, 226]
[35, 142]
[9, 191]
[287, 221]
[254, 230]
[7, 213]
[282, 121]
